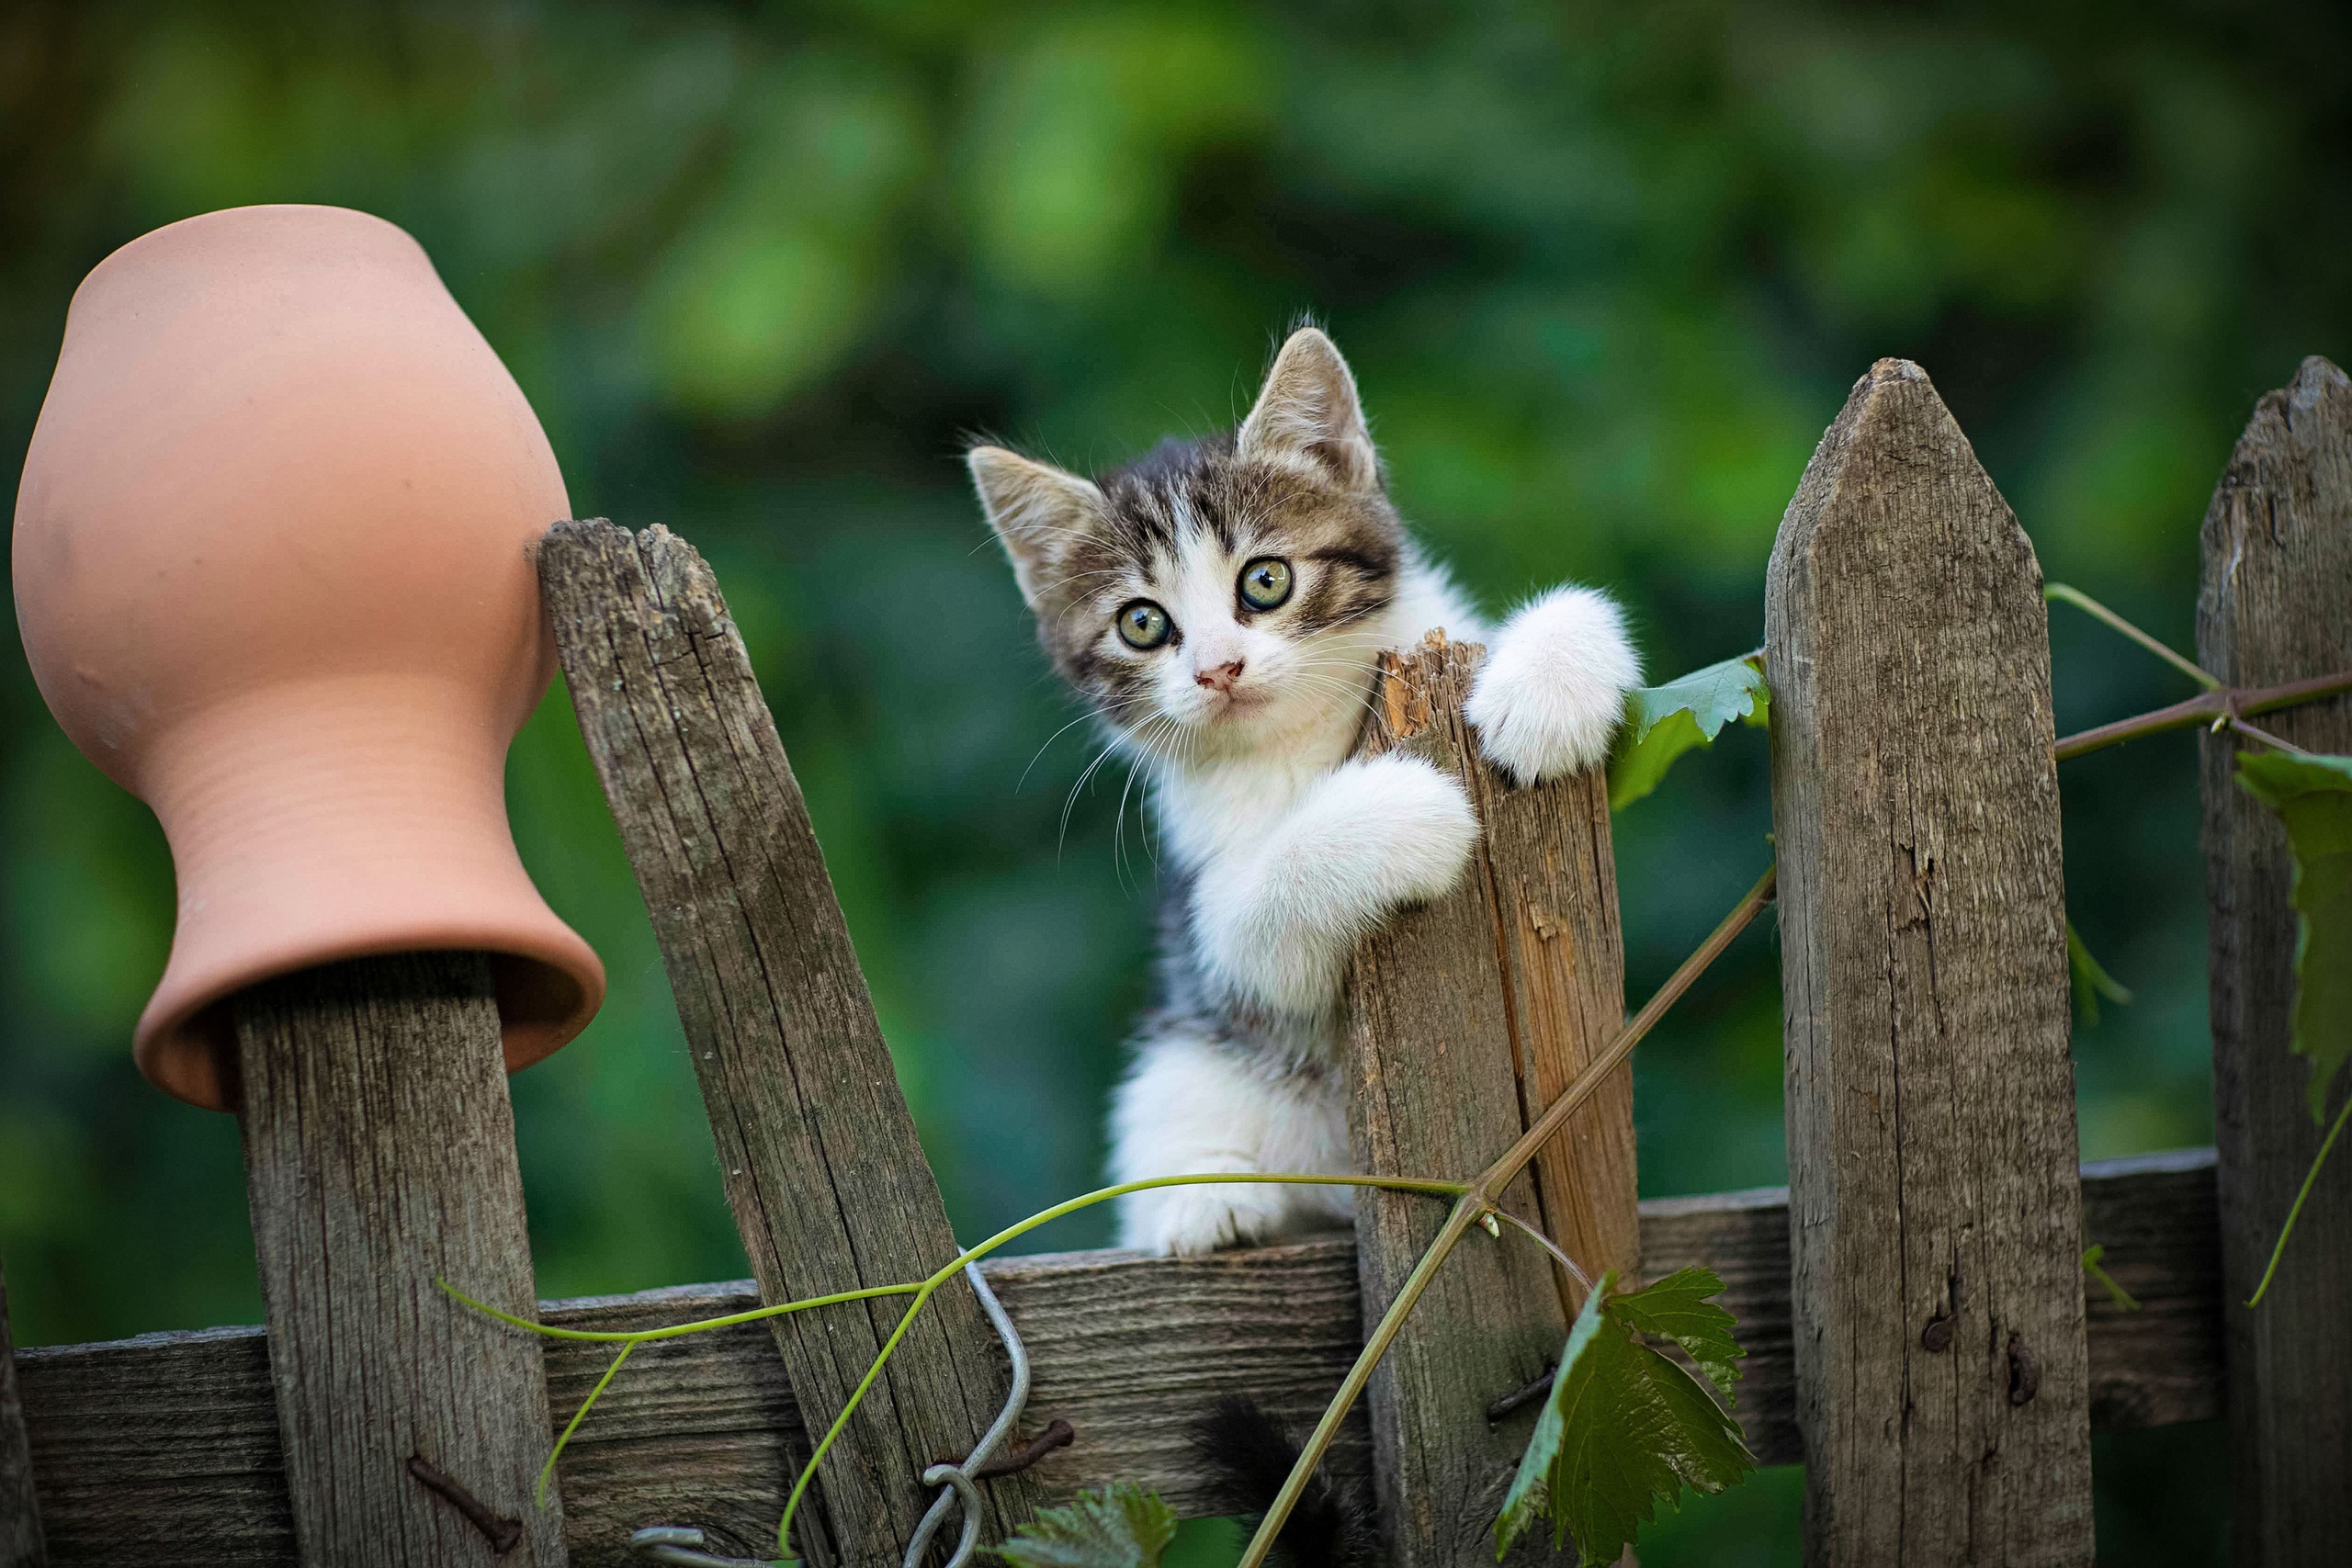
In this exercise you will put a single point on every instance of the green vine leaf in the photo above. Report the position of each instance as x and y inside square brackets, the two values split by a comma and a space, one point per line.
[1121, 1526]
[1663, 722]
[1625, 1428]
[1677, 1308]
[2091, 979]
[2312, 795]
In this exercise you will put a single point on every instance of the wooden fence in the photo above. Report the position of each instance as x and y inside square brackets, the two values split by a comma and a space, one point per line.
[1920, 1332]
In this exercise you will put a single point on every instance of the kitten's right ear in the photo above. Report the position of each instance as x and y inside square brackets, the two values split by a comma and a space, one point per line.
[1036, 510]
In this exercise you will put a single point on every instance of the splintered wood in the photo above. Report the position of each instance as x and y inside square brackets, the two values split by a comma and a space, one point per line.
[1466, 1018]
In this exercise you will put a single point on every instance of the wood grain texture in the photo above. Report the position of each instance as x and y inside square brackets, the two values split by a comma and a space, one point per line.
[21, 1537]
[821, 1166]
[1452, 1008]
[2275, 606]
[1551, 875]
[379, 1155]
[1936, 1226]
[163, 1449]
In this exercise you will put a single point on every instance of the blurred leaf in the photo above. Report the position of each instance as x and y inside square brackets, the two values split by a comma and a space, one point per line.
[1663, 722]
[746, 314]
[1121, 1526]
[1625, 1428]
[2312, 795]
[1077, 146]
[2091, 981]
[765, 292]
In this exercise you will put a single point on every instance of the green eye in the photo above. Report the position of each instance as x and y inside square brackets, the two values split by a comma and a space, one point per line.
[1265, 583]
[1142, 624]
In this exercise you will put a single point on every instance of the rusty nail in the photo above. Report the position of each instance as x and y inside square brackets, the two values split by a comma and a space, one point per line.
[502, 1532]
[1059, 1434]
[2024, 1377]
[1937, 1335]
[1521, 1396]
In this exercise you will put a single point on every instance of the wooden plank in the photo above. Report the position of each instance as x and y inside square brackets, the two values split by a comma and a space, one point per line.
[21, 1538]
[2276, 605]
[1936, 1221]
[829, 1185]
[379, 1155]
[163, 1449]
[1450, 1008]
[2159, 1363]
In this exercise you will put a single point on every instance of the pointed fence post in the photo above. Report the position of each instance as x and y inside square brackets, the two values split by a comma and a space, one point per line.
[21, 1538]
[1468, 1018]
[1934, 1205]
[821, 1166]
[2277, 606]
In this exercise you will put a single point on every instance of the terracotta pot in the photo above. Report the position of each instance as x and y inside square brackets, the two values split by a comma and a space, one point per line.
[272, 570]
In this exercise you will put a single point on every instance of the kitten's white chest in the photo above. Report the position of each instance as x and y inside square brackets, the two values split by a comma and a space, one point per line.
[1231, 809]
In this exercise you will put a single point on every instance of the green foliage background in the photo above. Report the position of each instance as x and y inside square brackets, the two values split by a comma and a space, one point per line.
[1605, 274]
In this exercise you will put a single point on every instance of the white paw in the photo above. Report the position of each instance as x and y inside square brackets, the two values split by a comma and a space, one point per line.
[1184, 1222]
[1553, 692]
[1389, 831]
[1276, 927]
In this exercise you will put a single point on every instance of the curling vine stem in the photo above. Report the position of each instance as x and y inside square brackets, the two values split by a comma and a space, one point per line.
[2090, 606]
[2310, 1176]
[547, 1470]
[641, 1336]
[1583, 1280]
[1480, 1196]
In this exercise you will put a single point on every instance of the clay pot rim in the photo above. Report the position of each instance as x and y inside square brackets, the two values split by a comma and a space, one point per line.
[560, 983]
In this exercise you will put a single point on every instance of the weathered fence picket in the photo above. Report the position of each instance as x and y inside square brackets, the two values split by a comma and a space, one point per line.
[1935, 1224]
[2277, 606]
[21, 1537]
[380, 1155]
[819, 1156]
[1465, 1017]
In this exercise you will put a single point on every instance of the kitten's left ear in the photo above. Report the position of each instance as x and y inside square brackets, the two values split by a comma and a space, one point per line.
[1308, 416]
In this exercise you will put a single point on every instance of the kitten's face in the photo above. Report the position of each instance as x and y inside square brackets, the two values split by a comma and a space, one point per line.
[1218, 595]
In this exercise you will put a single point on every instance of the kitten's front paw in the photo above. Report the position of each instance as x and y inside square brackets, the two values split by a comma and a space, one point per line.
[1370, 837]
[1397, 830]
[1552, 694]
[1185, 1222]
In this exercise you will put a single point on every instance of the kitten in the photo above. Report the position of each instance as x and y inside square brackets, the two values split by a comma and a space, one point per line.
[1222, 605]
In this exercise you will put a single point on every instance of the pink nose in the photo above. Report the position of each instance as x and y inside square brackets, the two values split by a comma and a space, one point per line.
[1220, 678]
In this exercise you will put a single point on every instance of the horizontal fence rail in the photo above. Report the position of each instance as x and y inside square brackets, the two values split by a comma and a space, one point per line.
[165, 1448]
